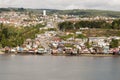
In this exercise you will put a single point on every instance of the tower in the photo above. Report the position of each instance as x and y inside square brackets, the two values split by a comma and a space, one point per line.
[44, 12]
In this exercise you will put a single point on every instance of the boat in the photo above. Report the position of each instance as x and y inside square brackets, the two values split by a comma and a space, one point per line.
[41, 51]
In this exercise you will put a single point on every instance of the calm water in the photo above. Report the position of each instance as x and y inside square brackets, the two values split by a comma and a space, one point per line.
[59, 68]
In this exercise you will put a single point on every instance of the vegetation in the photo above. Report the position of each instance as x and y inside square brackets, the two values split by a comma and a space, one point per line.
[95, 28]
[13, 9]
[101, 32]
[100, 24]
[12, 36]
[114, 43]
[67, 36]
[69, 45]
[79, 12]
[66, 26]
[92, 24]
[52, 29]
[80, 36]
[87, 44]
[115, 24]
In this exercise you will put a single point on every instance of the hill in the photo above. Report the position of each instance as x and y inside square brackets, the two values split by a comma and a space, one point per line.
[88, 13]
[80, 12]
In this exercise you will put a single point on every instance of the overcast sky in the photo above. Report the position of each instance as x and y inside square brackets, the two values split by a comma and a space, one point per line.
[63, 4]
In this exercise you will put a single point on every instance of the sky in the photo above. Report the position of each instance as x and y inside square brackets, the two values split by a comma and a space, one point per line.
[63, 4]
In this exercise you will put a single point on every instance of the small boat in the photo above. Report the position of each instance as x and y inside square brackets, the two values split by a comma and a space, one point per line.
[41, 51]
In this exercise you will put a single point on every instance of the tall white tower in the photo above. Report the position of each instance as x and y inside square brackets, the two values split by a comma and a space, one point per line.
[44, 12]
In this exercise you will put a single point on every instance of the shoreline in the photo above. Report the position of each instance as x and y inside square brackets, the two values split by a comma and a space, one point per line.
[1, 53]
[80, 55]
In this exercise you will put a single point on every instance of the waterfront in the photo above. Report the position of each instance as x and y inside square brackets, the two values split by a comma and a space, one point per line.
[33, 67]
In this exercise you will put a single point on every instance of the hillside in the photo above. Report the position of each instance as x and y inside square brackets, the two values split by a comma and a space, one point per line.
[88, 13]
[80, 12]
[101, 32]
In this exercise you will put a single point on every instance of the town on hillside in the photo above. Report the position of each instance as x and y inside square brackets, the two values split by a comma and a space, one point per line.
[27, 32]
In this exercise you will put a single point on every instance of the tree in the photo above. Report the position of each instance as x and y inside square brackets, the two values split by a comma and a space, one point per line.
[80, 36]
[87, 44]
[1, 26]
[114, 43]
[90, 24]
[66, 26]
[116, 24]
[12, 37]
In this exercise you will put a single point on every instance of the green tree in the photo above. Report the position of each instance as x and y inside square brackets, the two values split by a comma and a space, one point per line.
[80, 36]
[116, 24]
[114, 43]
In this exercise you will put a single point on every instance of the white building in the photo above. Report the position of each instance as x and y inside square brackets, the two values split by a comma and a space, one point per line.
[44, 12]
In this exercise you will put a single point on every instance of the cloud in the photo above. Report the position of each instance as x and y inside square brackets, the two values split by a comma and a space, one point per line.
[63, 4]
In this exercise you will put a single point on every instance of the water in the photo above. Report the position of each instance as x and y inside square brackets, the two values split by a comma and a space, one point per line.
[59, 68]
